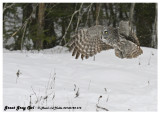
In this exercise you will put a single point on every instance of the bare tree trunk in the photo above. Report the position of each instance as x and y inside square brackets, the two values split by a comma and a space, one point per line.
[156, 9]
[40, 34]
[131, 15]
[112, 17]
[97, 12]
[154, 30]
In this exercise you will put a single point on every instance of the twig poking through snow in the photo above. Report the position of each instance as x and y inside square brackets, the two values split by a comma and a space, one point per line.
[99, 107]
[148, 82]
[74, 87]
[107, 98]
[35, 95]
[77, 94]
[105, 90]
[30, 102]
[99, 99]
[139, 62]
[18, 74]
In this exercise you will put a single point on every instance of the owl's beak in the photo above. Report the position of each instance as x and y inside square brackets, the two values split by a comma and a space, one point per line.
[103, 39]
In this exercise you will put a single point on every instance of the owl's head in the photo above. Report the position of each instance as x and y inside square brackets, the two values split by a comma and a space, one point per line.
[108, 35]
[107, 31]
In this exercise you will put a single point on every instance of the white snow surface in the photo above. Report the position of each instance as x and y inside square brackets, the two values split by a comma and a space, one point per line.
[52, 77]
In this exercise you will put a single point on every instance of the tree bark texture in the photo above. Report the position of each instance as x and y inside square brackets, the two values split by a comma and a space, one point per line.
[40, 25]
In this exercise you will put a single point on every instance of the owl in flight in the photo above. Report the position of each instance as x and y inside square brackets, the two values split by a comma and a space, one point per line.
[87, 42]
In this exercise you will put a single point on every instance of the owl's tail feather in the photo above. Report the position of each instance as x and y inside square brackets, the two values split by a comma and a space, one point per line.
[135, 53]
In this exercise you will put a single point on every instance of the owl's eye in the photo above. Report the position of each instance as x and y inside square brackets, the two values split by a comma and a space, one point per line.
[106, 32]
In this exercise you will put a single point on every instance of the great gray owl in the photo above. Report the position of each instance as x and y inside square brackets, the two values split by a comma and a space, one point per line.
[88, 42]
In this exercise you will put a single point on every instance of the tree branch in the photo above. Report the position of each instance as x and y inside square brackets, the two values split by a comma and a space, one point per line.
[79, 17]
[97, 12]
[90, 6]
[7, 7]
[63, 38]
[25, 23]
[24, 26]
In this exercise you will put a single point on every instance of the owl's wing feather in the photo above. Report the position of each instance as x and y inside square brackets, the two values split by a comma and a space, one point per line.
[87, 43]
[134, 38]
[127, 49]
[128, 46]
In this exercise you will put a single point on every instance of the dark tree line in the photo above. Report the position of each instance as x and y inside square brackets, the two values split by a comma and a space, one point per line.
[45, 25]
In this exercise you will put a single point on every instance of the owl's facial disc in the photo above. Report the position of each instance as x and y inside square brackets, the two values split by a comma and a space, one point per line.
[104, 39]
[105, 33]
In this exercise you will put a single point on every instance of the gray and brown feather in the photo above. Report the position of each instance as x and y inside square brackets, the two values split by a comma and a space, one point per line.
[87, 42]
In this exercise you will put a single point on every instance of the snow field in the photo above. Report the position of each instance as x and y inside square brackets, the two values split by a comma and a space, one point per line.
[53, 78]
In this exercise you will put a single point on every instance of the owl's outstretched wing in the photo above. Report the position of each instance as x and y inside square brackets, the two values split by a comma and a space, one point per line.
[87, 42]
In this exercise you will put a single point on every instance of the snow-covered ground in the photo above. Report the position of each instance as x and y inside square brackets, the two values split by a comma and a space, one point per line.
[53, 78]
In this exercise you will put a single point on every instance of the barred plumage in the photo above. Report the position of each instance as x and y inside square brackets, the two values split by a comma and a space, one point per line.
[88, 42]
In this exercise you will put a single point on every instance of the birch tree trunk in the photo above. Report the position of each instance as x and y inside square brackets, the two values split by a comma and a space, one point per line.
[131, 15]
[154, 30]
[155, 44]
